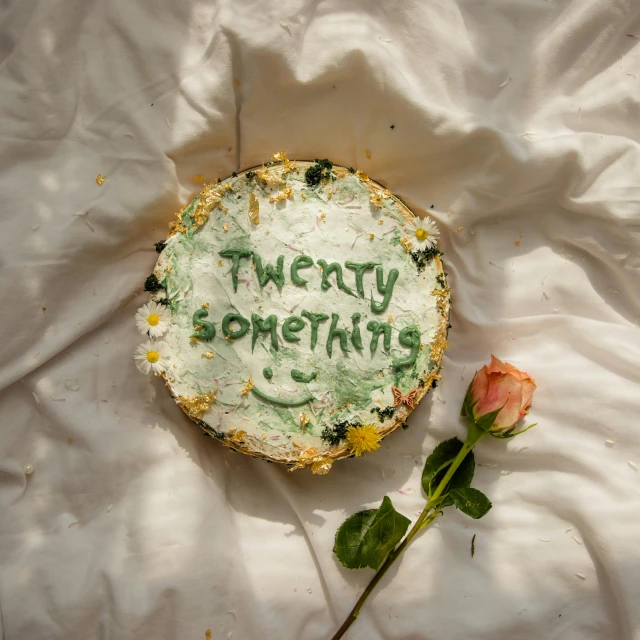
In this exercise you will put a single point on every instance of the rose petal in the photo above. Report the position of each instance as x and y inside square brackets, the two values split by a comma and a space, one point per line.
[479, 385]
[503, 391]
[528, 387]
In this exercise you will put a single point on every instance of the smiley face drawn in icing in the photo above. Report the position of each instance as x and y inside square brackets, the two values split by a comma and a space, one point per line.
[298, 376]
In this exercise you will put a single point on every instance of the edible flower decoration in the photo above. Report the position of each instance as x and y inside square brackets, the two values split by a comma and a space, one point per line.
[426, 234]
[363, 439]
[151, 356]
[153, 319]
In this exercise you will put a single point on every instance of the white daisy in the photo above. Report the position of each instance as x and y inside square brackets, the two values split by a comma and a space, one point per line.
[151, 356]
[153, 318]
[426, 234]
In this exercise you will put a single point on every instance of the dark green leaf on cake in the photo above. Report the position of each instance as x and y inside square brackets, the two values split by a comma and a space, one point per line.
[316, 172]
[335, 434]
[366, 538]
[385, 413]
[423, 258]
[471, 502]
[152, 283]
[160, 246]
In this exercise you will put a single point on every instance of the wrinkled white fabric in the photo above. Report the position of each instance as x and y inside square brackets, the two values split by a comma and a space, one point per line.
[518, 120]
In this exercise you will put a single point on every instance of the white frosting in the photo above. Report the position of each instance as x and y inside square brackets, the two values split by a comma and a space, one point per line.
[336, 229]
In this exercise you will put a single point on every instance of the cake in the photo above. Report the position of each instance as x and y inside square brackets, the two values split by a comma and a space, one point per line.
[298, 312]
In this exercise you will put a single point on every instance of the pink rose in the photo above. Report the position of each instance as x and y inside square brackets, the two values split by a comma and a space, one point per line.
[499, 389]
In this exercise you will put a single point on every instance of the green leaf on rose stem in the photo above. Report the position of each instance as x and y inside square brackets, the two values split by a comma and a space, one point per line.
[471, 501]
[438, 462]
[511, 433]
[366, 538]
[486, 421]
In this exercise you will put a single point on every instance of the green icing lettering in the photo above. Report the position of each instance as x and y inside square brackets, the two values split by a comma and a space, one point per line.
[269, 272]
[298, 376]
[333, 332]
[360, 268]
[409, 337]
[314, 319]
[235, 255]
[327, 270]
[207, 330]
[356, 338]
[291, 326]
[238, 333]
[377, 328]
[385, 289]
[300, 262]
[280, 401]
[267, 373]
[264, 326]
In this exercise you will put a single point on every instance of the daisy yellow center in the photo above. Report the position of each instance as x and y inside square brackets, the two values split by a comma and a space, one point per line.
[153, 356]
[421, 234]
[153, 319]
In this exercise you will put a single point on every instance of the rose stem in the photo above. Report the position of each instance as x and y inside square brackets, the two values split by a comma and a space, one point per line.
[474, 435]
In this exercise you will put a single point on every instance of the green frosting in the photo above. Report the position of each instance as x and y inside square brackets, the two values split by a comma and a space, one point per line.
[235, 255]
[385, 289]
[409, 337]
[269, 272]
[264, 326]
[333, 332]
[314, 319]
[360, 268]
[238, 333]
[300, 262]
[267, 373]
[291, 326]
[327, 270]
[281, 401]
[298, 376]
[208, 330]
[356, 338]
[377, 328]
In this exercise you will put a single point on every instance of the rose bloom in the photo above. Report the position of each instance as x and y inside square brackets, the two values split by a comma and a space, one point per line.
[502, 385]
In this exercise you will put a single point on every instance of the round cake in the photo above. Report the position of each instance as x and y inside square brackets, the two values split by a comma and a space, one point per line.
[298, 312]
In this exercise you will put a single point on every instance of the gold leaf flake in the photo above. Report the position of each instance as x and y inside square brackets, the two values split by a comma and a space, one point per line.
[304, 420]
[236, 82]
[372, 236]
[267, 177]
[208, 355]
[375, 198]
[323, 217]
[197, 406]
[367, 153]
[100, 180]
[247, 387]
[380, 222]
[390, 319]
[321, 466]
[194, 340]
[205, 305]
[225, 226]
[283, 194]
[280, 156]
[330, 194]
[460, 227]
[362, 175]
[169, 268]
[235, 435]
[386, 193]
[254, 209]
[198, 178]
[406, 244]
[303, 195]
[220, 263]
[517, 243]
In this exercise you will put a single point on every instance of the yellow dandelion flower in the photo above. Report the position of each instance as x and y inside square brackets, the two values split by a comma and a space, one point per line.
[363, 439]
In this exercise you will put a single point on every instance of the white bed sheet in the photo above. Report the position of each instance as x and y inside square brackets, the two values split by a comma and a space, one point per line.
[517, 119]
